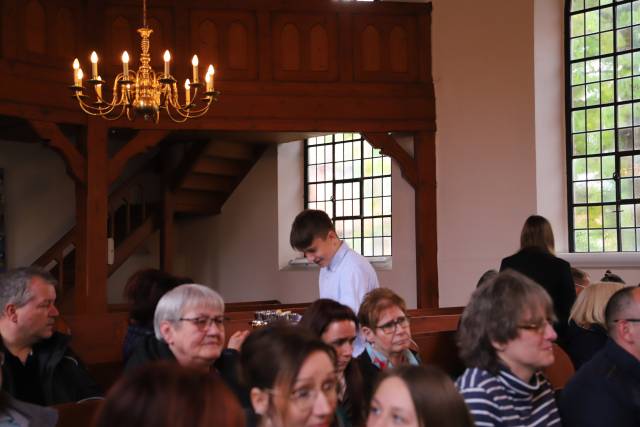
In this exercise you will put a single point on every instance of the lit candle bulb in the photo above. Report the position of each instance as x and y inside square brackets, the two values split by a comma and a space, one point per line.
[187, 92]
[210, 73]
[207, 79]
[125, 65]
[99, 89]
[194, 62]
[76, 65]
[94, 65]
[167, 58]
[79, 76]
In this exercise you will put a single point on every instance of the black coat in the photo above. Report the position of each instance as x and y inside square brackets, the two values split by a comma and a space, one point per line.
[604, 392]
[371, 373]
[63, 378]
[228, 364]
[553, 274]
[582, 344]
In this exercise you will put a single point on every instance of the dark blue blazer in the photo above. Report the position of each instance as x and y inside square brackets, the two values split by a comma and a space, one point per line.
[604, 392]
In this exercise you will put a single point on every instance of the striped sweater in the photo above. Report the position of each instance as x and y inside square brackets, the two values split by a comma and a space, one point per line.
[504, 400]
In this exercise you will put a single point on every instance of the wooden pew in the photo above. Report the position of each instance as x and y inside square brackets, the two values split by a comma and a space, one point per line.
[77, 414]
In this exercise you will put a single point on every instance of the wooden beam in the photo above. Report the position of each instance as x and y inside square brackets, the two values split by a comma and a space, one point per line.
[388, 145]
[426, 220]
[51, 134]
[91, 296]
[142, 141]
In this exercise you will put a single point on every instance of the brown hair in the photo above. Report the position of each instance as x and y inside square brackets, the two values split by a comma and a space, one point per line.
[164, 394]
[537, 233]
[308, 225]
[435, 398]
[375, 302]
[271, 357]
[493, 314]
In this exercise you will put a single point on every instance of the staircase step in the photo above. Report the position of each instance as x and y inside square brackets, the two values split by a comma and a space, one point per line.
[199, 202]
[224, 167]
[206, 182]
[231, 150]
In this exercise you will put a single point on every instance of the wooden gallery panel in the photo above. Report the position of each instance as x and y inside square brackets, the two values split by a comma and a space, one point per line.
[304, 47]
[122, 23]
[228, 40]
[385, 48]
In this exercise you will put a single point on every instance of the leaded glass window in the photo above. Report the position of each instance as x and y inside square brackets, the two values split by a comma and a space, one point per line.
[351, 181]
[603, 124]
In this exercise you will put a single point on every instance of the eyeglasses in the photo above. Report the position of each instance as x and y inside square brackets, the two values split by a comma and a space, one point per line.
[537, 327]
[627, 320]
[390, 326]
[305, 397]
[203, 322]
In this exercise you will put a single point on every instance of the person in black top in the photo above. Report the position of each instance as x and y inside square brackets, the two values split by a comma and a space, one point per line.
[39, 366]
[587, 332]
[536, 260]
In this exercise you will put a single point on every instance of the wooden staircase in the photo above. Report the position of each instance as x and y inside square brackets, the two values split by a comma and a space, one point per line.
[200, 184]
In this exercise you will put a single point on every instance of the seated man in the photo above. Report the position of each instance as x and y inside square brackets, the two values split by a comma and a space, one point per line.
[606, 389]
[39, 366]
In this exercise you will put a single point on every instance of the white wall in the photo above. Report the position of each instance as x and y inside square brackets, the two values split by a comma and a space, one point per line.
[484, 86]
[39, 200]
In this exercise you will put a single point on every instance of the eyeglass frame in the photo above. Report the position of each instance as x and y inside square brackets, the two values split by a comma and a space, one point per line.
[402, 321]
[312, 397]
[197, 321]
[537, 327]
[632, 320]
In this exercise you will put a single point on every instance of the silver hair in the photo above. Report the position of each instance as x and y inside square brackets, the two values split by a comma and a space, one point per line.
[174, 303]
[14, 285]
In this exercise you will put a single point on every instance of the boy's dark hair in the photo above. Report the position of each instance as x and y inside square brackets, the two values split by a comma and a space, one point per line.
[612, 277]
[308, 225]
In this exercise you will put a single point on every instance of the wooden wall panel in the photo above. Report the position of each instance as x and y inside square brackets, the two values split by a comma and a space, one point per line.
[386, 48]
[65, 40]
[305, 46]
[226, 39]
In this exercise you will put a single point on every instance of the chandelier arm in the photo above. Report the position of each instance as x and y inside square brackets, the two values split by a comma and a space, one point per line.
[96, 110]
[177, 120]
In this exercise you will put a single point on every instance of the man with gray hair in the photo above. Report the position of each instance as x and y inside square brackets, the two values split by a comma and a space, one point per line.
[606, 390]
[39, 367]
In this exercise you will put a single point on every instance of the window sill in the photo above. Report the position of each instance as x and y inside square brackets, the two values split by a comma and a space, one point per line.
[602, 260]
[379, 263]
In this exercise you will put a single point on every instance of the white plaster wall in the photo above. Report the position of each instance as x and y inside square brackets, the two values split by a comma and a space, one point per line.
[39, 200]
[484, 86]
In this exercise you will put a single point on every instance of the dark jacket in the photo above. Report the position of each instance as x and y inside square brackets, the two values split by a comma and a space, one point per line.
[553, 274]
[63, 378]
[604, 392]
[353, 405]
[370, 374]
[228, 364]
[582, 344]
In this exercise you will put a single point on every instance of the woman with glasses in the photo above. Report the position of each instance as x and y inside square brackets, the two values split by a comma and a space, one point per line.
[337, 325]
[189, 329]
[417, 396]
[291, 377]
[505, 339]
[385, 327]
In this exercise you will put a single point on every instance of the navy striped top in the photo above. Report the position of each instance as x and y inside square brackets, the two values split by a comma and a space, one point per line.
[504, 400]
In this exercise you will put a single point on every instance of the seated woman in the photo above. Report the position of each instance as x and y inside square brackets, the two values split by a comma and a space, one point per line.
[143, 290]
[337, 325]
[417, 396]
[387, 333]
[163, 394]
[505, 339]
[189, 329]
[587, 332]
[291, 377]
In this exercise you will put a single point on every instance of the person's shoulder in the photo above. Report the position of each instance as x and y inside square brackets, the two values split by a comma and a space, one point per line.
[476, 378]
[149, 349]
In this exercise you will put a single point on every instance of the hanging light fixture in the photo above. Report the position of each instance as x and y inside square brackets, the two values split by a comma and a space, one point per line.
[144, 92]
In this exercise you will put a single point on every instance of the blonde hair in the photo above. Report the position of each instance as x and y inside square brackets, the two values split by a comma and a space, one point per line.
[590, 305]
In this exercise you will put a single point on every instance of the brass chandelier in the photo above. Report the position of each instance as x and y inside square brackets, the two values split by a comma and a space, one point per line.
[144, 92]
